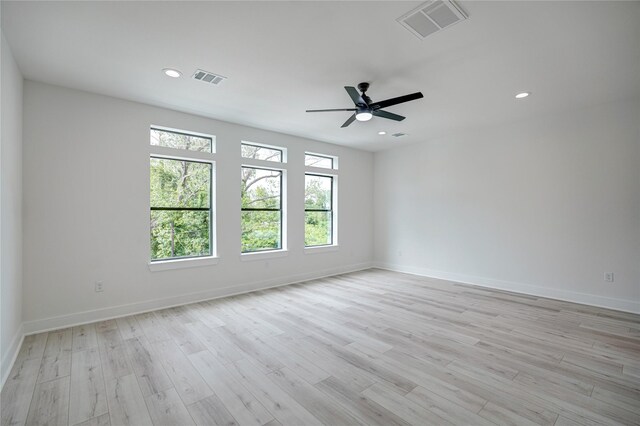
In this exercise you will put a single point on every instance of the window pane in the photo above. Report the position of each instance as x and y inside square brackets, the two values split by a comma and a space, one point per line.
[261, 153]
[260, 230]
[178, 183]
[180, 141]
[260, 188]
[317, 193]
[179, 234]
[318, 161]
[317, 228]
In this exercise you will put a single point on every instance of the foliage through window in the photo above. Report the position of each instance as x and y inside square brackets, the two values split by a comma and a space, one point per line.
[180, 198]
[177, 140]
[258, 152]
[318, 210]
[261, 191]
[314, 160]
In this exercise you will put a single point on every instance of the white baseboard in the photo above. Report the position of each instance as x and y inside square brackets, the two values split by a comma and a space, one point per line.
[533, 290]
[85, 317]
[10, 355]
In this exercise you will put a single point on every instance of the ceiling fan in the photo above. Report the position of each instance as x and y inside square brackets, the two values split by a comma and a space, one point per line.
[365, 109]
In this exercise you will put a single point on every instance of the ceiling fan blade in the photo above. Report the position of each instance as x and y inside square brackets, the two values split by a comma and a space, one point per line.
[328, 110]
[389, 115]
[355, 96]
[349, 121]
[396, 101]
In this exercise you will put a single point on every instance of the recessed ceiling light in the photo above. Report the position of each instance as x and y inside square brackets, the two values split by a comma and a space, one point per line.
[170, 72]
[382, 132]
[522, 95]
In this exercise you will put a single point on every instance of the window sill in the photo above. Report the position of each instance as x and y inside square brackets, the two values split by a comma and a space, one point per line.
[165, 265]
[260, 255]
[320, 249]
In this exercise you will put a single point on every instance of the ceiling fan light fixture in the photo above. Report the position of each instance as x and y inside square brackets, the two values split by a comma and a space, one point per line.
[364, 116]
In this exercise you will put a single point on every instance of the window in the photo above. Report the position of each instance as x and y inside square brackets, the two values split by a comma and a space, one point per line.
[319, 200]
[172, 139]
[261, 191]
[318, 210]
[315, 160]
[180, 198]
[259, 152]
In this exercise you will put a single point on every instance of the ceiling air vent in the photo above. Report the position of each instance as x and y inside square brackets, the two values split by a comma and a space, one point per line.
[208, 77]
[431, 17]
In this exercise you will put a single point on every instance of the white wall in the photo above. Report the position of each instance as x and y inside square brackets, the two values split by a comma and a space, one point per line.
[10, 208]
[86, 186]
[544, 206]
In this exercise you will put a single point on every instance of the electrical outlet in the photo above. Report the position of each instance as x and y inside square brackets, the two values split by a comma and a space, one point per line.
[99, 287]
[608, 277]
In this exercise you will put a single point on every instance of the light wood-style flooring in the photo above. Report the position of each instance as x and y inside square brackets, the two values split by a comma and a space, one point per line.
[372, 347]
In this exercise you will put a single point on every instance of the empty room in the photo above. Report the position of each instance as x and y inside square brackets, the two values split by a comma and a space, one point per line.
[292, 213]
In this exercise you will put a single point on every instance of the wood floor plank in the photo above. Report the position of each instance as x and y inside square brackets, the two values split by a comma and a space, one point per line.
[612, 398]
[109, 339]
[105, 325]
[216, 344]
[403, 407]
[203, 311]
[56, 361]
[592, 363]
[320, 404]
[129, 327]
[211, 411]
[115, 362]
[147, 366]
[187, 341]
[33, 346]
[445, 385]
[186, 380]
[306, 369]
[370, 365]
[284, 408]
[501, 415]
[166, 408]
[84, 337]
[103, 420]
[152, 326]
[251, 345]
[372, 347]
[563, 421]
[556, 399]
[17, 391]
[444, 408]
[577, 402]
[88, 397]
[50, 404]
[126, 403]
[328, 362]
[242, 405]
[365, 410]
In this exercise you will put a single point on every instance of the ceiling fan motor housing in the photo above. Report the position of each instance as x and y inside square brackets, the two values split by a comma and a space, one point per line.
[363, 87]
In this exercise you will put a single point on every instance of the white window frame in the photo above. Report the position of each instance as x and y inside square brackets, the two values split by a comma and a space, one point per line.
[156, 151]
[280, 166]
[334, 174]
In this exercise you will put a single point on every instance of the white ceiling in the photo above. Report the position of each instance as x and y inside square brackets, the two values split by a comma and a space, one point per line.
[284, 57]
